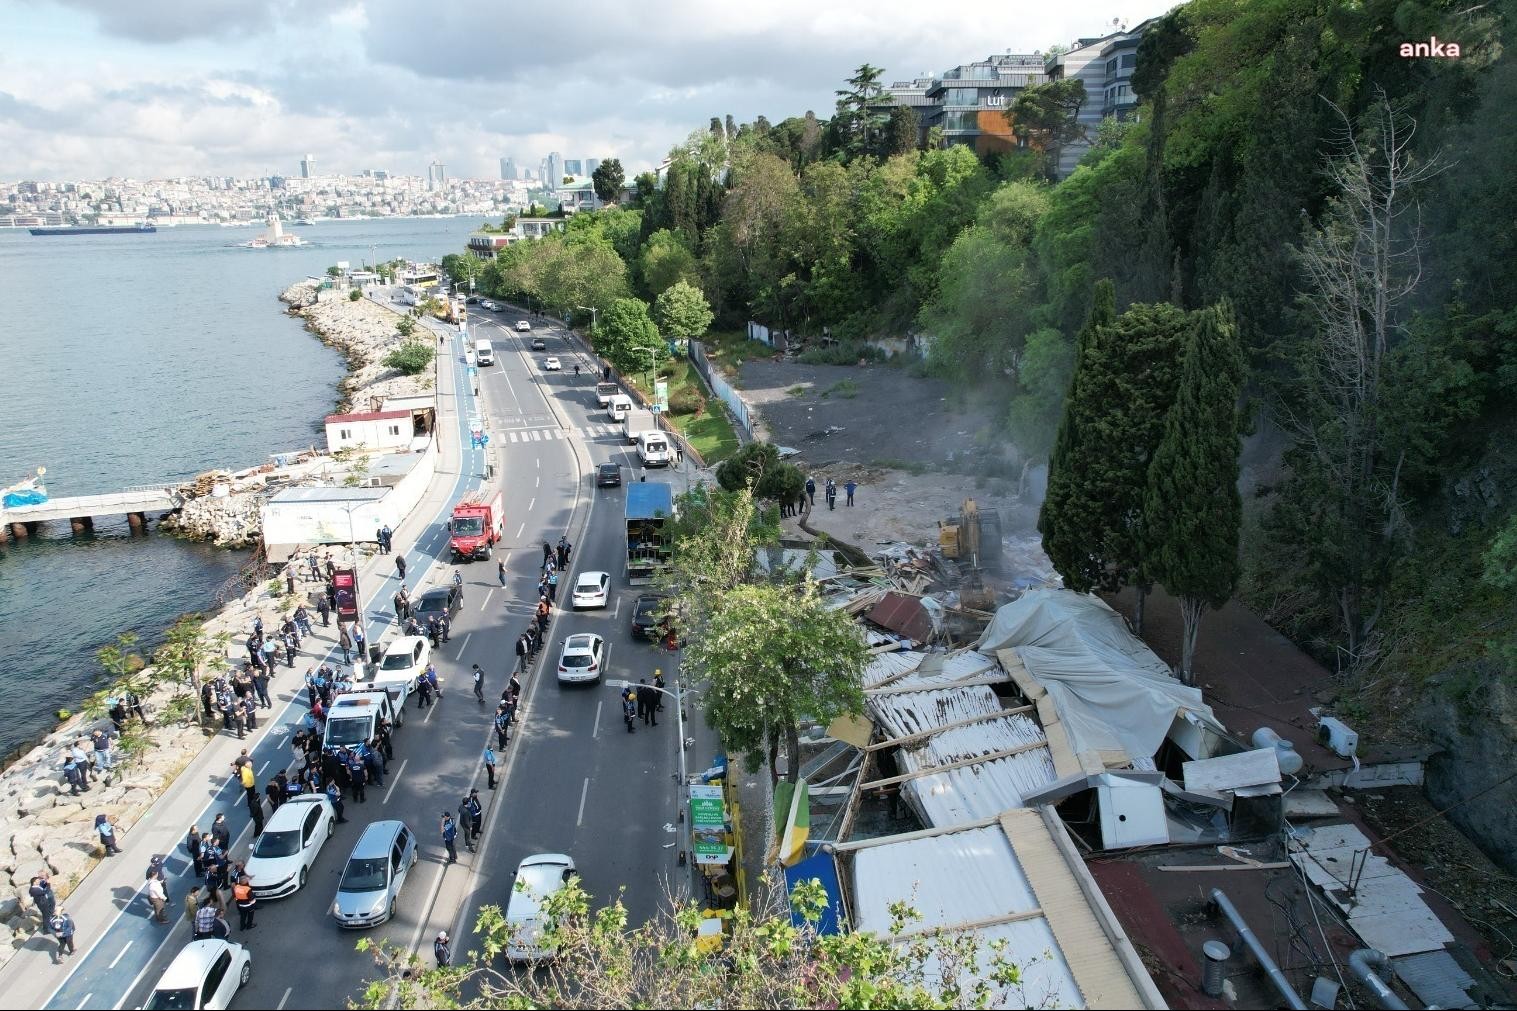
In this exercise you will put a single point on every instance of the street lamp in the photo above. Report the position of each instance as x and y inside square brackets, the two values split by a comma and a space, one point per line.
[594, 315]
[679, 713]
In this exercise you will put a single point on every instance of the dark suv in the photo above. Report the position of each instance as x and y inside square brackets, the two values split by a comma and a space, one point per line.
[608, 475]
[645, 616]
[444, 598]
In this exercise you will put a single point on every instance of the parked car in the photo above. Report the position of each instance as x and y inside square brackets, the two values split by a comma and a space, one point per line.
[523, 326]
[204, 975]
[608, 475]
[294, 834]
[374, 875]
[581, 658]
[437, 600]
[539, 344]
[489, 305]
[646, 621]
[591, 589]
[472, 300]
[552, 365]
[537, 879]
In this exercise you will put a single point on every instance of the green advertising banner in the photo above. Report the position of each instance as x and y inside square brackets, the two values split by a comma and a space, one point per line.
[708, 825]
[661, 395]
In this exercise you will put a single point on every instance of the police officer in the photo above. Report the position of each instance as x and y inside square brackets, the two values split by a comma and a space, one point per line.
[479, 684]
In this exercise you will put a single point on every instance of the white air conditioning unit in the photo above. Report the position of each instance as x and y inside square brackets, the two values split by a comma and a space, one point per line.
[1334, 734]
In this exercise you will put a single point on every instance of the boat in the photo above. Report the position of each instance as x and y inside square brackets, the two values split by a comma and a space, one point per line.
[274, 237]
[303, 221]
[94, 229]
[27, 491]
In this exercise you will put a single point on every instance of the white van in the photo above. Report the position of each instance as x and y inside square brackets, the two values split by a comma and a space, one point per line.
[618, 407]
[654, 450]
[484, 354]
[354, 718]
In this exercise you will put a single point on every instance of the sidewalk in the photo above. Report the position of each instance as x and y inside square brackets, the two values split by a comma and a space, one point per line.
[108, 901]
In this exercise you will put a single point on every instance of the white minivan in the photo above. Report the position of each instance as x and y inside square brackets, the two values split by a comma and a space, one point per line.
[484, 354]
[654, 450]
[618, 407]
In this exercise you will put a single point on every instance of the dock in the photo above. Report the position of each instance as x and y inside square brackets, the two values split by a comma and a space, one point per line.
[21, 522]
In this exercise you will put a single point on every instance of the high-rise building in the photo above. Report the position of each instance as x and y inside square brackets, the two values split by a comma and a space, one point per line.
[555, 168]
[437, 176]
[308, 166]
[591, 164]
[1105, 65]
[969, 101]
[507, 168]
[572, 167]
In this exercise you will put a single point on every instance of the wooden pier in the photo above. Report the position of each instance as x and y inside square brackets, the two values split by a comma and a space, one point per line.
[21, 522]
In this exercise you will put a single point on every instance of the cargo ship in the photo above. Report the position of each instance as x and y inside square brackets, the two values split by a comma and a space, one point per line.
[94, 230]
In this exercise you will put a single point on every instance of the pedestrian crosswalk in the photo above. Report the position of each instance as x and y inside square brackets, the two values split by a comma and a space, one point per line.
[550, 434]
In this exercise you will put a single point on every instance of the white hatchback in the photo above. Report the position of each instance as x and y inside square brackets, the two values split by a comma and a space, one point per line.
[552, 365]
[581, 658]
[284, 853]
[522, 326]
[591, 589]
[205, 974]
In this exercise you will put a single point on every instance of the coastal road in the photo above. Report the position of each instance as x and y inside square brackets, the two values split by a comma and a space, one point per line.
[573, 780]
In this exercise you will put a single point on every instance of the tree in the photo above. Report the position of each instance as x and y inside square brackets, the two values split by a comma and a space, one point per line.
[405, 326]
[1042, 381]
[757, 468]
[607, 180]
[682, 311]
[859, 122]
[1047, 116]
[1192, 510]
[183, 658]
[1348, 422]
[774, 655]
[665, 260]
[714, 536]
[462, 268]
[411, 358]
[902, 132]
[769, 958]
[629, 337]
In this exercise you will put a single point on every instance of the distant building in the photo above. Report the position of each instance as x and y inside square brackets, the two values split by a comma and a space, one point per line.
[554, 168]
[969, 101]
[276, 182]
[572, 167]
[308, 166]
[536, 228]
[591, 164]
[484, 245]
[437, 176]
[1105, 65]
[507, 168]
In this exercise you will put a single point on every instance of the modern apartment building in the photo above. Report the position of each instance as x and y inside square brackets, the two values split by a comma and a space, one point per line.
[1106, 66]
[308, 166]
[437, 176]
[969, 101]
[553, 169]
[507, 168]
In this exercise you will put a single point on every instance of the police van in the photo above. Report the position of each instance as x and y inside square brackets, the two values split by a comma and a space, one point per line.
[354, 718]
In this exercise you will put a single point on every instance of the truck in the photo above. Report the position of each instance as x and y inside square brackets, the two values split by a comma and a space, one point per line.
[477, 526]
[637, 421]
[650, 506]
[604, 392]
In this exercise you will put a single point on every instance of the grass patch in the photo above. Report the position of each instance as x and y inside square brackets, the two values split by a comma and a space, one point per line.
[797, 391]
[711, 431]
[847, 353]
[732, 347]
[909, 466]
[845, 388]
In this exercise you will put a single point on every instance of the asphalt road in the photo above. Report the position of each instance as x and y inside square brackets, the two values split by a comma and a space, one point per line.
[572, 781]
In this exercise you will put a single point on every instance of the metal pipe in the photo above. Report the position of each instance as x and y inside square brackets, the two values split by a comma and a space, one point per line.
[1363, 964]
[1246, 935]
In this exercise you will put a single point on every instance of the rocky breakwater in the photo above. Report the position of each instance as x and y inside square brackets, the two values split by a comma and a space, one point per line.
[224, 506]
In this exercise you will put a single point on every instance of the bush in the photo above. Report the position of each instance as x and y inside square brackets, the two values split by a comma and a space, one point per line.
[411, 358]
[354, 295]
[686, 401]
[841, 354]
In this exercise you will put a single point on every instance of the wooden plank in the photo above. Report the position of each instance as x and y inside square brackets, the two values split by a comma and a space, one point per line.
[961, 763]
[966, 721]
[981, 924]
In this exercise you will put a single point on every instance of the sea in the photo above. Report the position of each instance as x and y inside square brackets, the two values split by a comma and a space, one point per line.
[132, 359]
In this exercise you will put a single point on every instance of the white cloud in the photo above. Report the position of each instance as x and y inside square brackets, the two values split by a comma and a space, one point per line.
[247, 87]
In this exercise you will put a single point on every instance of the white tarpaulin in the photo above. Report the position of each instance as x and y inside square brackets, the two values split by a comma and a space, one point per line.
[1111, 692]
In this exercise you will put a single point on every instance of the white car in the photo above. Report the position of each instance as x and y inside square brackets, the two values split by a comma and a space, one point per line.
[537, 878]
[284, 853]
[581, 658]
[403, 661]
[552, 365]
[489, 305]
[522, 326]
[205, 974]
[591, 589]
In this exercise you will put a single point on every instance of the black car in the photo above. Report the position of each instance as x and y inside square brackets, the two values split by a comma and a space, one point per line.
[436, 601]
[645, 616]
[538, 344]
[608, 475]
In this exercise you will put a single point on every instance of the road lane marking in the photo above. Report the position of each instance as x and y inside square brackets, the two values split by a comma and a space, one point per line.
[460, 654]
[539, 482]
[280, 1005]
[583, 792]
[520, 529]
[531, 504]
[121, 954]
[86, 1002]
[430, 710]
[264, 766]
[617, 609]
[595, 729]
[395, 779]
[482, 603]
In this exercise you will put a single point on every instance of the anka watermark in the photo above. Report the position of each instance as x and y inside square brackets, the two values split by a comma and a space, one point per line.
[1432, 47]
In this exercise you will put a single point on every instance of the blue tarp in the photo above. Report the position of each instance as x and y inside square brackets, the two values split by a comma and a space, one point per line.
[823, 868]
[24, 498]
[647, 500]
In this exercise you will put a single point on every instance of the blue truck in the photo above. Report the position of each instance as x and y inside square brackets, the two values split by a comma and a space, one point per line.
[649, 506]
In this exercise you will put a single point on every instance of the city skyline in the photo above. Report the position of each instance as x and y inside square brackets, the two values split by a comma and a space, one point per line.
[91, 89]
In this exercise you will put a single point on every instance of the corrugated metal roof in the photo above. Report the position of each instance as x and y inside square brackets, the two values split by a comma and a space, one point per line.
[960, 878]
[335, 419]
[918, 670]
[1436, 978]
[902, 613]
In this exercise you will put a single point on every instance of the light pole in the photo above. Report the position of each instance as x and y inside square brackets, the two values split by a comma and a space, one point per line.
[679, 715]
[594, 315]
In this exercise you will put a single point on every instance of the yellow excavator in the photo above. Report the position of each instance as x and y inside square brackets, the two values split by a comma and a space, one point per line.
[973, 539]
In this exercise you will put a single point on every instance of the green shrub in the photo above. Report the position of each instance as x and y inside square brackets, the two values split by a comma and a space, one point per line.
[354, 295]
[411, 358]
[845, 388]
[841, 354]
[686, 401]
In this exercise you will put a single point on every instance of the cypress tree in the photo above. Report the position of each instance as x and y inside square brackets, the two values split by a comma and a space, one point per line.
[1192, 511]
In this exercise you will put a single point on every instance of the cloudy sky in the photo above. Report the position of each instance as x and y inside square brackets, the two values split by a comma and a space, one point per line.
[90, 88]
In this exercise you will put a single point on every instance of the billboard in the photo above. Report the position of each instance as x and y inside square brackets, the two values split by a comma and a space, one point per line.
[345, 583]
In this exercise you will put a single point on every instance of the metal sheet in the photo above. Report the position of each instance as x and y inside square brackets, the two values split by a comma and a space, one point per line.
[902, 614]
[1437, 979]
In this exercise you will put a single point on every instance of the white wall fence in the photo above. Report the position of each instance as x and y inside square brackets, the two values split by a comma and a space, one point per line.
[720, 386]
